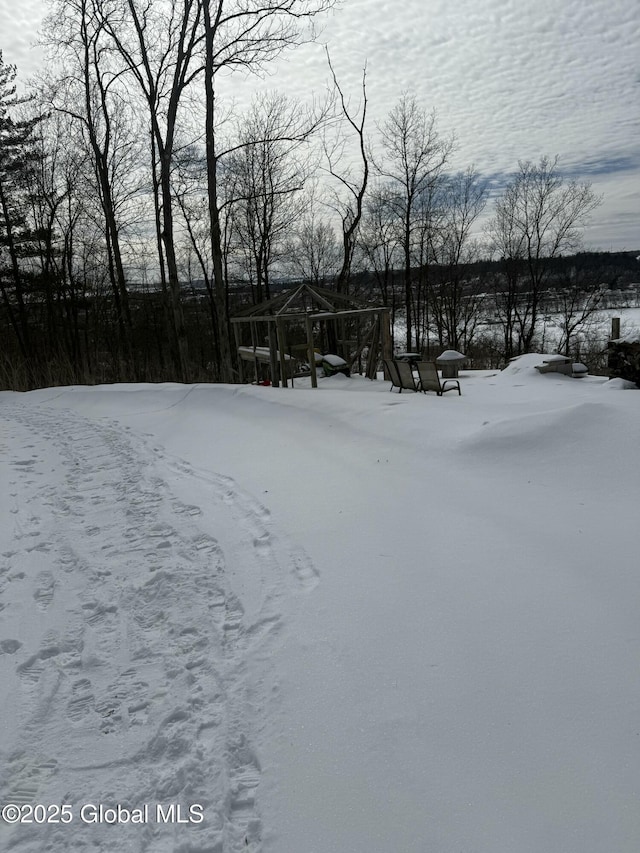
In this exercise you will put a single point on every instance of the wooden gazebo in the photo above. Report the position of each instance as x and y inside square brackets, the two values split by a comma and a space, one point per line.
[312, 308]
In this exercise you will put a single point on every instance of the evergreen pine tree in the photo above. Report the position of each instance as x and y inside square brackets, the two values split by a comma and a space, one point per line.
[16, 237]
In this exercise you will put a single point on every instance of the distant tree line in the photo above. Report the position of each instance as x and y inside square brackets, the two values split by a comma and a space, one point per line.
[138, 213]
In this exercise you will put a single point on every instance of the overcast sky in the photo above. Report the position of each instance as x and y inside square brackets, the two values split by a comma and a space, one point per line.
[513, 80]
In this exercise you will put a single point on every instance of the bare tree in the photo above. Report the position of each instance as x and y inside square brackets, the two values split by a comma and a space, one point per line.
[506, 286]
[414, 156]
[312, 252]
[91, 91]
[16, 231]
[378, 244]
[241, 34]
[579, 297]
[157, 41]
[270, 169]
[350, 211]
[456, 309]
[538, 218]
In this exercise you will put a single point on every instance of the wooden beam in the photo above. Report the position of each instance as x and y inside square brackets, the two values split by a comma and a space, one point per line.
[280, 338]
[273, 356]
[255, 358]
[364, 339]
[385, 323]
[236, 332]
[311, 351]
[320, 298]
[290, 300]
[267, 318]
[615, 328]
[372, 358]
[351, 312]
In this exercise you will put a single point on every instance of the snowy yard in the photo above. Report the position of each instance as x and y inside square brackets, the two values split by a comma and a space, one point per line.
[332, 621]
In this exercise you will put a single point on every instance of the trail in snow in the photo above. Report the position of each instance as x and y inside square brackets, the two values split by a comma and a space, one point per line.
[124, 647]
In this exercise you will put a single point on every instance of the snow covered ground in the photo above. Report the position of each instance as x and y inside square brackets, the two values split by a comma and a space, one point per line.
[332, 621]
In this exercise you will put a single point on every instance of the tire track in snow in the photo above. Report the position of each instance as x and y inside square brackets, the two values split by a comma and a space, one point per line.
[131, 670]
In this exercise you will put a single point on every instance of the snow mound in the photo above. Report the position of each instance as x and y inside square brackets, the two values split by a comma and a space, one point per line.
[556, 434]
[526, 363]
[619, 384]
[524, 368]
[338, 621]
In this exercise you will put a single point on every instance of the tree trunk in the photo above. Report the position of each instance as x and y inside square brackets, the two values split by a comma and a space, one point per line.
[219, 285]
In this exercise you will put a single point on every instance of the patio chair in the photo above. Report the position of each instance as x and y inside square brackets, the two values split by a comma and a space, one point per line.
[430, 379]
[392, 370]
[405, 374]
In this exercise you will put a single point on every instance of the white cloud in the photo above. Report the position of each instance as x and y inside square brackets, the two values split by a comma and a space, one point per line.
[513, 79]
[19, 24]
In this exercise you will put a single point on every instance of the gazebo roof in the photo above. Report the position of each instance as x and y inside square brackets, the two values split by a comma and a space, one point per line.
[299, 301]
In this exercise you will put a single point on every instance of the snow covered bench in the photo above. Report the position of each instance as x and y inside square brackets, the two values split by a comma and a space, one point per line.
[556, 364]
[261, 356]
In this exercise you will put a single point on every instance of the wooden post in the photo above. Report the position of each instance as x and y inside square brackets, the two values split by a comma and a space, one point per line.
[273, 359]
[372, 358]
[236, 334]
[615, 328]
[385, 328]
[311, 353]
[385, 334]
[280, 337]
[615, 335]
[256, 367]
[343, 348]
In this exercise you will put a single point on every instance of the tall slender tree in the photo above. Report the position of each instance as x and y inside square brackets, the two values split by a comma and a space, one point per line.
[350, 209]
[17, 240]
[271, 168]
[91, 91]
[240, 34]
[414, 155]
[538, 217]
[462, 198]
[157, 41]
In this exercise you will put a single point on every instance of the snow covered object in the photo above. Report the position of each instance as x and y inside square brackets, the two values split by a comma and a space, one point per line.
[624, 358]
[450, 362]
